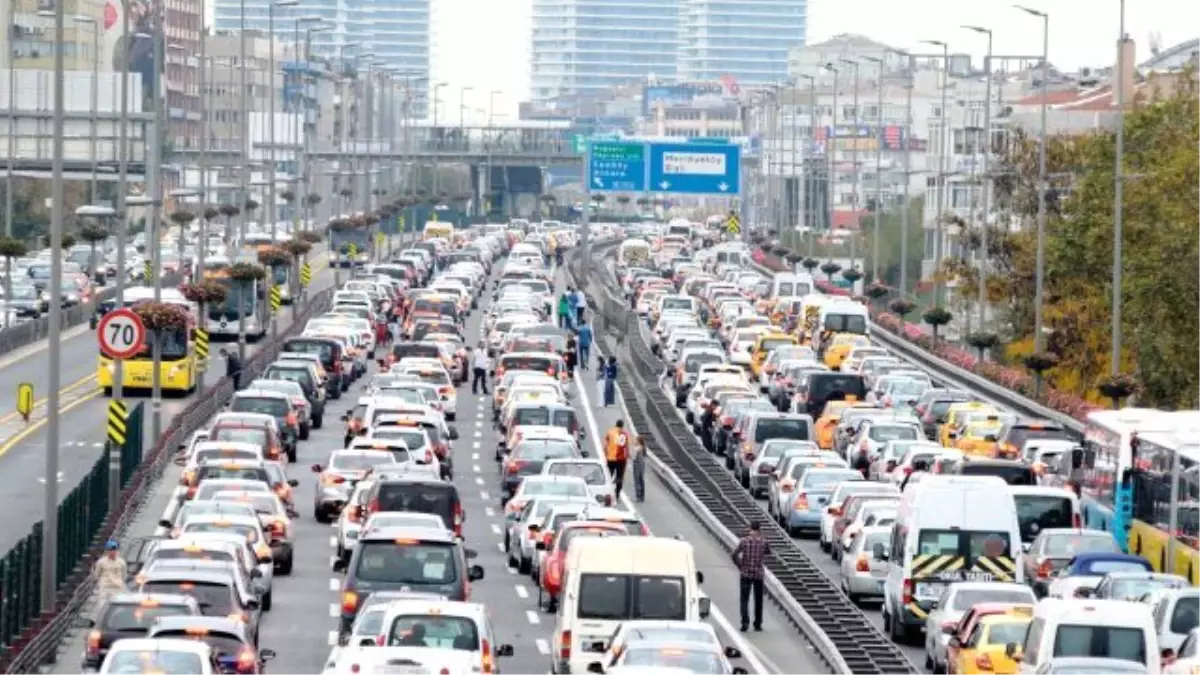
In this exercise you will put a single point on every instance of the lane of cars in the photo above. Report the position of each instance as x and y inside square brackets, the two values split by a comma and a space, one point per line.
[906, 492]
[405, 511]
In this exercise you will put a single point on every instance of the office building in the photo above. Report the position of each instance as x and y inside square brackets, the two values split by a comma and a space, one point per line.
[30, 44]
[746, 41]
[592, 46]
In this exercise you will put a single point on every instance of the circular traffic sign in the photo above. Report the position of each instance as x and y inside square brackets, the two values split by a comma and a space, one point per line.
[121, 333]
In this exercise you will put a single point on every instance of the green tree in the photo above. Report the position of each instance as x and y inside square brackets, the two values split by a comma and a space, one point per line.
[891, 233]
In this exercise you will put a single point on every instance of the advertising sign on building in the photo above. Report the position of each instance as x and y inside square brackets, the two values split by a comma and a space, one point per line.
[685, 93]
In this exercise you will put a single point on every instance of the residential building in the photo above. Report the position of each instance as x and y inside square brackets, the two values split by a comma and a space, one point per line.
[744, 40]
[591, 46]
[32, 35]
[808, 61]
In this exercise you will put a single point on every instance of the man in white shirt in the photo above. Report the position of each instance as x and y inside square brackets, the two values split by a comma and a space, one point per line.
[580, 306]
[481, 363]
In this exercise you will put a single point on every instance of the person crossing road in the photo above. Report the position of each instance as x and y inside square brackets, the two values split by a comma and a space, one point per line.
[616, 454]
[481, 363]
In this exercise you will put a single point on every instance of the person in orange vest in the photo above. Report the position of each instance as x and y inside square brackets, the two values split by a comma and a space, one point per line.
[616, 454]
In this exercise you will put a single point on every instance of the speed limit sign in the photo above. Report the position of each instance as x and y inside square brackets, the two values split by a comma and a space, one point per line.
[121, 333]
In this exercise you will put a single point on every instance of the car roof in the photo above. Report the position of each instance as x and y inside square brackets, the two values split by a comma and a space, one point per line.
[393, 532]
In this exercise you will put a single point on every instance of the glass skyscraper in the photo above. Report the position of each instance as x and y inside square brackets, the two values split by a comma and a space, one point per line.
[582, 46]
[591, 46]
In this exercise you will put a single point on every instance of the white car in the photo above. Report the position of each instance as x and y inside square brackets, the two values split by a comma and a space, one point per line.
[163, 655]
[593, 472]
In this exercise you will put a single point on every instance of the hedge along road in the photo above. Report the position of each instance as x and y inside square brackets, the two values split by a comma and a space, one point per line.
[82, 421]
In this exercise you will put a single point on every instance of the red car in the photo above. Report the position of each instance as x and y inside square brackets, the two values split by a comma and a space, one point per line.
[553, 568]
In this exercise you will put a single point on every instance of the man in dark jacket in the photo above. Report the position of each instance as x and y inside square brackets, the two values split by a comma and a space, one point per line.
[233, 368]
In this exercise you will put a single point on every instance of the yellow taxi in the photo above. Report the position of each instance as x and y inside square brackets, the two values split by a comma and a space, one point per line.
[978, 437]
[957, 413]
[826, 424]
[840, 345]
[766, 343]
[983, 650]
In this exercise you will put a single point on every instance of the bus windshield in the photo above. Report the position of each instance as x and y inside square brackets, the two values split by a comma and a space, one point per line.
[236, 292]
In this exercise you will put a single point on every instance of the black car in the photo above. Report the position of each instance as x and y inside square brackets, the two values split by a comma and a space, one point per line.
[417, 495]
[423, 560]
[129, 615]
[228, 638]
[330, 352]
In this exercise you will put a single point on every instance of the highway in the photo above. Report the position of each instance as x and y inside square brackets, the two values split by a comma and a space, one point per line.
[301, 626]
[82, 420]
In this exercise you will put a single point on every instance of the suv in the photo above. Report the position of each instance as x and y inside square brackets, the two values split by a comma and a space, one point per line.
[405, 558]
[406, 492]
[330, 351]
[277, 405]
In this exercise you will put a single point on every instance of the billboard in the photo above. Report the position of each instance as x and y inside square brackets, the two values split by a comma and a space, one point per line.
[865, 137]
[132, 52]
[686, 93]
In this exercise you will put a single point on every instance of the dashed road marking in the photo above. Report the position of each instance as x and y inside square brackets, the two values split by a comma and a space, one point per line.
[522, 592]
[476, 468]
[495, 529]
[489, 512]
[335, 584]
[533, 617]
[334, 611]
[543, 646]
[484, 496]
[500, 545]
[332, 640]
[479, 480]
[333, 541]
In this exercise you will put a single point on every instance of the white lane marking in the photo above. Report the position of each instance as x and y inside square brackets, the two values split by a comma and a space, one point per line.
[483, 496]
[478, 434]
[335, 584]
[332, 640]
[716, 615]
[476, 468]
[532, 616]
[334, 611]
[500, 545]
[332, 542]
[495, 529]
[522, 592]
[543, 646]
[489, 512]
[479, 480]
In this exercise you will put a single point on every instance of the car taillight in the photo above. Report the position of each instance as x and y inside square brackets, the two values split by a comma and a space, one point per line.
[564, 650]
[428, 456]
[765, 468]
[441, 450]
[349, 602]
[554, 573]
[331, 479]
[373, 506]
[93, 642]
[485, 653]
[246, 661]
[908, 471]
[1076, 520]
[1044, 569]
[446, 391]
[299, 401]
[983, 662]
[277, 529]
[862, 565]
[513, 466]
[801, 502]
[906, 592]
[458, 519]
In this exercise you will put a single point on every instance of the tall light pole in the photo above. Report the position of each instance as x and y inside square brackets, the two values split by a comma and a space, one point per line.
[879, 62]
[1119, 217]
[1040, 263]
[810, 180]
[943, 157]
[437, 89]
[95, 92]
[984, 259]
[854, 163]
[831, 147]
[12, 132]
[49, 584]
[270, 195]
[909, 85]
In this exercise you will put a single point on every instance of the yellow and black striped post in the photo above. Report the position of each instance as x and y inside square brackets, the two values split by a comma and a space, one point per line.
[305, 275]
[148, 272]
[118, 418]
[276, 299]
[201, 344]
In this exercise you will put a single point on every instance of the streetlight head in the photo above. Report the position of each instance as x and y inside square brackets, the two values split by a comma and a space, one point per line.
[978, 29]
[82, 18]
[1031, 11]
[936, 43]
[308, 18]
[286, 3]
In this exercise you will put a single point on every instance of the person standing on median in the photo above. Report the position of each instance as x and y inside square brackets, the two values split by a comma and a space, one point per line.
[750, 556]
[233, 368]
[580, 306]
[584, 333]
[110, 572]
[637, 456]
[481, 363]
[564, 311]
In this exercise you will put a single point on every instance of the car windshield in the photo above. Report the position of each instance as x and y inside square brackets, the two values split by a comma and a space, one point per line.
[136, 618]
[214, 599]
[553, 488]
[1007, 632]
[439, 632]
[967, 598]
[824, 480]
[690, 660]
[542, 450]
[343, 461]
[1070, 545]
[427, 563]
[893, 432]
[256, 436]
[591, 473]
[158, 661]
[1134, 589]
[780, 427]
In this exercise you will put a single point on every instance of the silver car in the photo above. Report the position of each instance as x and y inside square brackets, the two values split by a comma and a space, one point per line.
[524, 531]
[863, 567]
[773, 452]
[957, 599]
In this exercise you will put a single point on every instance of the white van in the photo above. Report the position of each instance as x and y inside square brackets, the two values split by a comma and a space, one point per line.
[1112, 629]
[948, 529]
[1041, 507]
[616, 579]
[845, 316]
[784, 285]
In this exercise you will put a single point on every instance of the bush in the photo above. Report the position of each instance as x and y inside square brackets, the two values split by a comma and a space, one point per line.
[12, 248]
[830, 268]
[161, 316]
[287, 196]
[204, 292]
[229, 210]
[902, 306]
[68, 240]
[983, 341]
[245, 271]
[811, 264]
[310, 236]
[793, 258]
[273, 256]
[877, 290]
[780, 251]
[852, 275]
[297, 247]
[1040, 362]
[1119, 386]
[251, 206]
[182, 218]
[211, 212]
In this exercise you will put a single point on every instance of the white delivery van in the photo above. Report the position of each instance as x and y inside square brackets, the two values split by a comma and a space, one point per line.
[614, 579]
[948, 528]
[1109, 629]
[784, 285]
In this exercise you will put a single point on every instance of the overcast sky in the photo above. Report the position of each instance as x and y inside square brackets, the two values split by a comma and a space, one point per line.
[484, 44]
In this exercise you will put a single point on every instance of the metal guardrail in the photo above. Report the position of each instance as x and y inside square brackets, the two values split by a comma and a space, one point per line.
[839, 632]
[38, 641]
[953, 376]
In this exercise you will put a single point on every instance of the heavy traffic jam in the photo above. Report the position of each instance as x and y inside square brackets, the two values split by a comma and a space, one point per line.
[964, 525]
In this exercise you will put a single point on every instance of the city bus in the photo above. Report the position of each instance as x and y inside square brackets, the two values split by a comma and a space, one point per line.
[1158, 452]
[438, 230]
[222, 318]
[177, 370]
[340, 242]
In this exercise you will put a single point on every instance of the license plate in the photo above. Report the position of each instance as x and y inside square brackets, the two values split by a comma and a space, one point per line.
[403, 670]
[880, 582]
[929, 591]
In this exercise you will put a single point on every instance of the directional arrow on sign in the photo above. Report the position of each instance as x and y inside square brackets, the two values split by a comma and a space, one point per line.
[723, 187]
[599, 183]
[665, 185]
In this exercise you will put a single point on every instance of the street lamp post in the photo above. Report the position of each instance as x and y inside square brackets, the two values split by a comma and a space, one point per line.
[1119, 224]
[854, 164]
[831, 147]
[12, 132]
[987, 182]
[269, 194]
[437, 88]
[1040, 263]
[943, 157]
[909, 85]
[879, 62]
[95, 103]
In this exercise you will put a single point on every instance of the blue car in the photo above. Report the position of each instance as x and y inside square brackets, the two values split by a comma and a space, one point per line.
[1085, 571]
[810, 497]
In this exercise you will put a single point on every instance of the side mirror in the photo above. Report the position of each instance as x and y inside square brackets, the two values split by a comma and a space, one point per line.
[699, 577]
[266, 654]
[252, 604]
[880, 552]
[1077, 458]
[83, 622]
[366, 642]
[704, 606]
[949, 628]
[256, 573]
[292, 482]
[1013, 651]
[738, 670]
[180, 459]
[346, 417]
[339, 565]
[504, 650]
[316, 468]
[991, 438]
[595, 667]
[733, 652]
[470, 554]
[955, 642]
[475, 573]
[1085, 592]
[166, 523]
[454, 433]
[1025, 547]
[952, 435]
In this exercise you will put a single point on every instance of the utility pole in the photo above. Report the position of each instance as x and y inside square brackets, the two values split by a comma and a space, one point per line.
[987, 179]
[244, 179]
[880, 62]
[943, 157]
[831, 147]
[909, 84]
[154, 182]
